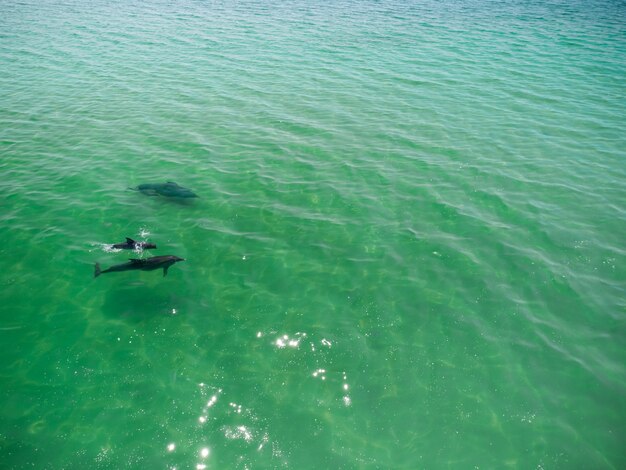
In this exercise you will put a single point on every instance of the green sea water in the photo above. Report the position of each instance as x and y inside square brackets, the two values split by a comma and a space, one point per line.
[408, 252]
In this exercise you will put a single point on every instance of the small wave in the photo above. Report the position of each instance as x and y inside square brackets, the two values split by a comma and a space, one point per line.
[106, 247]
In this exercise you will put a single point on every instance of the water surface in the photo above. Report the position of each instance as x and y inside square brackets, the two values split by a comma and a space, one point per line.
[408, 251]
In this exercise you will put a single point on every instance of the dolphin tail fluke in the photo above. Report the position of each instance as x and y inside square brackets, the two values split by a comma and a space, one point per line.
[97, 270]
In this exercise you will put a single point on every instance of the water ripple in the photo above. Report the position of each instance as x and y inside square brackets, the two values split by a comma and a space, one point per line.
[419, 205]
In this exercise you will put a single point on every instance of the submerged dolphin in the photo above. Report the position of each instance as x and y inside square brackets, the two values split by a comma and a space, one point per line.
[169, 189]
[148, 264]
[131, 244]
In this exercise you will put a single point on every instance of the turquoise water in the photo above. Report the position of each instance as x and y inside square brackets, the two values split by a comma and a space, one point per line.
[408, 250]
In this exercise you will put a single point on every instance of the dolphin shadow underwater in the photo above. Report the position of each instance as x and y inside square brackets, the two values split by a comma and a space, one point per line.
[139, 302]
[170, 189]
[147, 264]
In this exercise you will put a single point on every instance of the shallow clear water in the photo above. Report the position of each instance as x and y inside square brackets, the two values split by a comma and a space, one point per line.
[408, 250]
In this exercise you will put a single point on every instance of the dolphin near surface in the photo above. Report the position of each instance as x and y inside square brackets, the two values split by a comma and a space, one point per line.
[168, 189]
[148, 264]
[131, 244]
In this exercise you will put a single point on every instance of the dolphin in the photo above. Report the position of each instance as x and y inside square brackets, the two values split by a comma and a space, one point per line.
[131, 244]
[148, 264]
[169, 189]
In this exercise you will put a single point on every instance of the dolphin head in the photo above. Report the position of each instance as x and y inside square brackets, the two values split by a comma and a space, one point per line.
[167, 261]
[184, 193]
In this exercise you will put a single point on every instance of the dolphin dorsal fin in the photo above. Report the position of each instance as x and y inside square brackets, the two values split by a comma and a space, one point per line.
[130, 240]
[172, 182]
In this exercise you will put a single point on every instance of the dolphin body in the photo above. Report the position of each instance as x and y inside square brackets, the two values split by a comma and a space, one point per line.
[169, 189]
[131, 244]
[148, 264]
